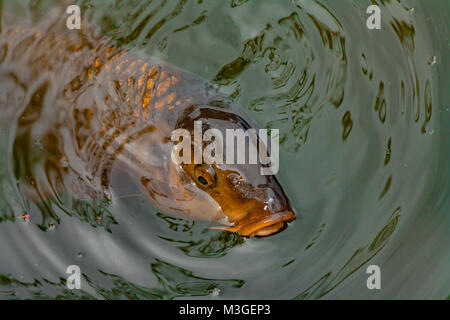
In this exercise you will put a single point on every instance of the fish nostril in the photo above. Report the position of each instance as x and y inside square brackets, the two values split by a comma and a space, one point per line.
[264, 185]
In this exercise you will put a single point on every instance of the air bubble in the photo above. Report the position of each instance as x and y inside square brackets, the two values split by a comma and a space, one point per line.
[215, 292]
[64, 163]
[38, 144]
[432, 61]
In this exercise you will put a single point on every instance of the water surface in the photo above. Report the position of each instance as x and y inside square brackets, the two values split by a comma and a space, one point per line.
[364, 119]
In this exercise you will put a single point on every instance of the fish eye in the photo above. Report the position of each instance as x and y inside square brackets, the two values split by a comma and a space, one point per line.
[202, 180]
[205, 175]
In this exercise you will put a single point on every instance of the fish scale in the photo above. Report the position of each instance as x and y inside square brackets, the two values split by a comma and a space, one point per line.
[128, 90]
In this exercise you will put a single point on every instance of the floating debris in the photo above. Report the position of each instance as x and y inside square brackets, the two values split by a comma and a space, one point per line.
[26, 217]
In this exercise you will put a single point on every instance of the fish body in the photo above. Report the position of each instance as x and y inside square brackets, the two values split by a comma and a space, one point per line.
[103, 112]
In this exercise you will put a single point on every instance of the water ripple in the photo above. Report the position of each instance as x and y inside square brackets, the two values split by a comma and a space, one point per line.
[363, 126]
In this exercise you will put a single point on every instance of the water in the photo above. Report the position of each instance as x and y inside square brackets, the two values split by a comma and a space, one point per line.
[364, 119]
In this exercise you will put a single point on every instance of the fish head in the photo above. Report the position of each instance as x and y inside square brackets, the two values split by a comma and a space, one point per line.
[253, 204]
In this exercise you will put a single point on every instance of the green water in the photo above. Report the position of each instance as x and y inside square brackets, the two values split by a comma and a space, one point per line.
[364, 117]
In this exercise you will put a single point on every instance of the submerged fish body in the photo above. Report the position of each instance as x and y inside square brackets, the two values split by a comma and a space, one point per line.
[101, 113]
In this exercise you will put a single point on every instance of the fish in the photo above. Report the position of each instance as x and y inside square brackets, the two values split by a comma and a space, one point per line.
[103, 115]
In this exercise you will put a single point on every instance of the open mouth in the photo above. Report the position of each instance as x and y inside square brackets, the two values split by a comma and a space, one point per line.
[262, 226]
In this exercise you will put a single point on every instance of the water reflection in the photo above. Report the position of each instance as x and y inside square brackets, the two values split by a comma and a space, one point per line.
[211, 244]
[359, 258]
[173, 282]
[294, 66]
[12, 289]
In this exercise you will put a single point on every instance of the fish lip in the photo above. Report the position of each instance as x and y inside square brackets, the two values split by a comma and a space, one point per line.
[260, 227]
[278, 220]
[260, 233]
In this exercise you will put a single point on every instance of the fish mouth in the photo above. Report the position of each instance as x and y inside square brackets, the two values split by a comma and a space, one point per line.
[262, 226]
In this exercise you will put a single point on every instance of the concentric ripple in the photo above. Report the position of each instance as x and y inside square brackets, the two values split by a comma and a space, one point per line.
[363, 117]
